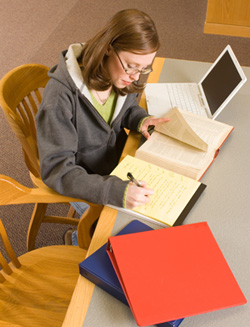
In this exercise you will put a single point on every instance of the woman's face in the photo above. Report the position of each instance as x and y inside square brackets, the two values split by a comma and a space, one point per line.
[118, 61]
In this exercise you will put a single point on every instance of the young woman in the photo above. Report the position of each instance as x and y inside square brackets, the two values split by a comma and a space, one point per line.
[89, 100]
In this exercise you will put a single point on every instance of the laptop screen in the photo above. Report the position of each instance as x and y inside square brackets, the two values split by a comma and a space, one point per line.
[222, 81]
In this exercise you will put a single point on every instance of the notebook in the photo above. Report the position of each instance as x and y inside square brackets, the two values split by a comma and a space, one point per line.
[98, 269]
[174, 194]
[207, 98]
[173, 273]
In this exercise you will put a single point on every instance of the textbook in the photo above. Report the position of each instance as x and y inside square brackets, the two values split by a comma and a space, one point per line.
[173, 273]
[99, 270]
[187, 144]
[174, 194]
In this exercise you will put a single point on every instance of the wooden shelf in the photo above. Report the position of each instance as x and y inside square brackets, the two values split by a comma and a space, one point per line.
[228, 17]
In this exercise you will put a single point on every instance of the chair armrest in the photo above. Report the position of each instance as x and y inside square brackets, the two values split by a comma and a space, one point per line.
[12, 192]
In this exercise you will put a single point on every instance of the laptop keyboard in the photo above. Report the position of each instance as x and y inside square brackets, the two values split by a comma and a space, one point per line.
[184, 96]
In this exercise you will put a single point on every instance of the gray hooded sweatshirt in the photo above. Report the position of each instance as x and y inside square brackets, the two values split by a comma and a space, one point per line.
[77, 148]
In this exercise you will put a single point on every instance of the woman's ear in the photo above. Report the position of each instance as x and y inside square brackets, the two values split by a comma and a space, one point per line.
[109, 50]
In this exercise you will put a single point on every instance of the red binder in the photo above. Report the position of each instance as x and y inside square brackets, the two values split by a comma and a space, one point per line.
[171, 273]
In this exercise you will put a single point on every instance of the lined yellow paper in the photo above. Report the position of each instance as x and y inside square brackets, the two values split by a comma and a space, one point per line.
[172, 191]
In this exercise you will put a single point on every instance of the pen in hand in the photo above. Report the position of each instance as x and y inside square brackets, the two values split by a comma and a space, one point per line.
[132, 179]
[135, 196]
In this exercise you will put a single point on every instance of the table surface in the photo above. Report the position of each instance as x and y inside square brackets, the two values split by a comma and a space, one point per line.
[225, 205]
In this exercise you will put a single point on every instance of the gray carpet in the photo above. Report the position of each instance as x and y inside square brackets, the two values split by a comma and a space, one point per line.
[36, 31]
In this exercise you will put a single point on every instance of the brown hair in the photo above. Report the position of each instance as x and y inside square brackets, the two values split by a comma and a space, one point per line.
[129, 30]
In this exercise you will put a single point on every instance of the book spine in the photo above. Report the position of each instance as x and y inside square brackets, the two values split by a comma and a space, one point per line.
[118, 294]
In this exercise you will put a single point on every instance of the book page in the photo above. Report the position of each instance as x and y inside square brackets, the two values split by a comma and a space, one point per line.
[172, 191]
[211, 131]
[179, 129]
[166, 147]
[174, 155]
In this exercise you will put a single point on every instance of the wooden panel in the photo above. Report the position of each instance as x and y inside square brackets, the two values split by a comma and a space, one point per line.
[228, 17]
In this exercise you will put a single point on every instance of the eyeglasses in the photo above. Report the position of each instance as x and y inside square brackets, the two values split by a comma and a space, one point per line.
[133, 71]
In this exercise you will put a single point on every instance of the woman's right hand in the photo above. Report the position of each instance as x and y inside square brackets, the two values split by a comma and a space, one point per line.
[137, 196]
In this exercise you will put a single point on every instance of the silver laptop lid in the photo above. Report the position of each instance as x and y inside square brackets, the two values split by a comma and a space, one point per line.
[222, 81]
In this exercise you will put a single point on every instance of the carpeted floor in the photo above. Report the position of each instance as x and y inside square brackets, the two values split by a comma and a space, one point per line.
[36, 31]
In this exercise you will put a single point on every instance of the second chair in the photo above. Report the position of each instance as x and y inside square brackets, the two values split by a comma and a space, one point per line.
[20, 96]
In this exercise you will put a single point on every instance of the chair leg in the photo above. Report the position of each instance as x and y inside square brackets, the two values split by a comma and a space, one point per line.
[71, 212]
[85, 224]
[34, 225]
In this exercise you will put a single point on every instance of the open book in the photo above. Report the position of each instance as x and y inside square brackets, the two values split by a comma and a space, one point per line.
[187, 144]
[174, 194]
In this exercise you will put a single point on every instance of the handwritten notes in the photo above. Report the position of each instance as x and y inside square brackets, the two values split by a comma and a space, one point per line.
[172, 191]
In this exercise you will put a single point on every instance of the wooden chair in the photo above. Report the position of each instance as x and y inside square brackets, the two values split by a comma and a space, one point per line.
[36, 288]
[20, 96]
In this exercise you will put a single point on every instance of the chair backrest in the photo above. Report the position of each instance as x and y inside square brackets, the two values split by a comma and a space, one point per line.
[20, 96]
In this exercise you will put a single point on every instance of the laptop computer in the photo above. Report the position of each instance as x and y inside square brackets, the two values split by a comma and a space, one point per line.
[208, 98]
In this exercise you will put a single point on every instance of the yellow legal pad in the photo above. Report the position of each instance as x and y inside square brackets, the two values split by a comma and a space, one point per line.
[174, 194]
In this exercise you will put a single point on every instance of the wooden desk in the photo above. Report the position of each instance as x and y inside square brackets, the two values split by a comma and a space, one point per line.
[83, 291]
[225, 205]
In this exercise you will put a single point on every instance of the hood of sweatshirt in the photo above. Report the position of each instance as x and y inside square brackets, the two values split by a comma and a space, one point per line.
[69, 74]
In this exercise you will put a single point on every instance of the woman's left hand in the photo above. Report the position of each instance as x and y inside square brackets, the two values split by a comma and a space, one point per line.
[151, 121]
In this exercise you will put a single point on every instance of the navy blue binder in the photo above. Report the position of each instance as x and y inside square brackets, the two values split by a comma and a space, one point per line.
[98, 269]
